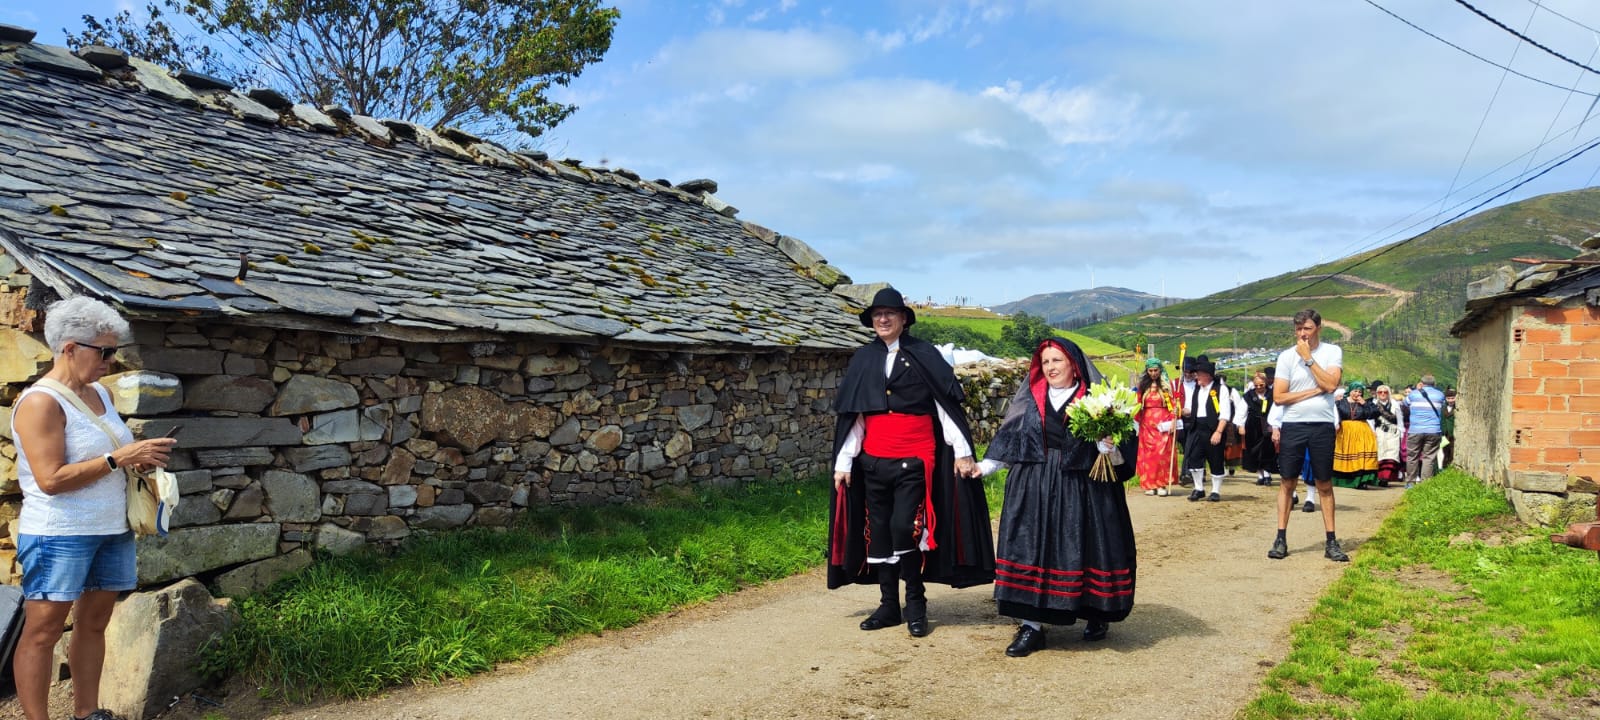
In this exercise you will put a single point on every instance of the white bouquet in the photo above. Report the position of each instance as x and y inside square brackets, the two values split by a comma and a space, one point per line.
[1105, 412]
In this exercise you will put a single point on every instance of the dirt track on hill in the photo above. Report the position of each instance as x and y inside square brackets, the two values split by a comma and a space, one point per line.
[1212, 616]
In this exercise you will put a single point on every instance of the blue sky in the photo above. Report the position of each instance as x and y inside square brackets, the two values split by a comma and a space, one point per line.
[992, 149]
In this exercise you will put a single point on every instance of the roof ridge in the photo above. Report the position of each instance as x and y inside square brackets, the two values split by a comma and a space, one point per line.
[268, 106]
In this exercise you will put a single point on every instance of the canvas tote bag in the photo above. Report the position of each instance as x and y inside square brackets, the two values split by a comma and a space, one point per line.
[152, 494]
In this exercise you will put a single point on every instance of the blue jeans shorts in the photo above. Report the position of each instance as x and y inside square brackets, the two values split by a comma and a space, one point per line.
[59, 568]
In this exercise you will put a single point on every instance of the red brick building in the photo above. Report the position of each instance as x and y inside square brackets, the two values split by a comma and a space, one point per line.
[1529, 402]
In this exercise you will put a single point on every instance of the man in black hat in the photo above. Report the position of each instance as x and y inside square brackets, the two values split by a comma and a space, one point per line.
[1208, 407]
[905, 509]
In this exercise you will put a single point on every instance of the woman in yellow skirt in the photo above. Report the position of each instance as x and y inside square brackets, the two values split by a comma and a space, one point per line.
[1355, 450]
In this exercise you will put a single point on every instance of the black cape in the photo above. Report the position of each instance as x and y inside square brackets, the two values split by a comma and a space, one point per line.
[965, 553]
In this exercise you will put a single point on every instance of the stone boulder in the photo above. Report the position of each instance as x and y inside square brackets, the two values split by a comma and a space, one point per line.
[144, 392]
[258, 576]
[241, 394]
[22, 356]
[466, 417]
[191, 551]
[305, 394]
[152, 643]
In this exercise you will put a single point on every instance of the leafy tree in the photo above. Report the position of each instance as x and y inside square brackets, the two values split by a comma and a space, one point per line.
[1023, 332]
[487, 64]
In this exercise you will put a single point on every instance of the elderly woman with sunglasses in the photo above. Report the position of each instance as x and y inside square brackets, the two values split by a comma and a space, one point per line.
[73, 540]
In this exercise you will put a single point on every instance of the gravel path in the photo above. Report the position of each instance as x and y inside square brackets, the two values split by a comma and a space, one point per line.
[1213, 615]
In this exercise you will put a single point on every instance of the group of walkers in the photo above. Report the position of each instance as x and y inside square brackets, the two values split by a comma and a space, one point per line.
[908, 510]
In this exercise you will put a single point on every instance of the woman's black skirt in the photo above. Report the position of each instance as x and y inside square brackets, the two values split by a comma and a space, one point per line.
[1065, 549]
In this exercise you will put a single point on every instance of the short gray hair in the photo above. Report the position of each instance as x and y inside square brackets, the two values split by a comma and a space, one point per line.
[1427, 380]
[80, 320]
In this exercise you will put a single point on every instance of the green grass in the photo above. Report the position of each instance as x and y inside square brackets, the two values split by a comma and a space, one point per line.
[1452, 611]
[453, 604]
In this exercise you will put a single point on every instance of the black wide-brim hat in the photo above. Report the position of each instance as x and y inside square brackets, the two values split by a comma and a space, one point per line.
[888, 298]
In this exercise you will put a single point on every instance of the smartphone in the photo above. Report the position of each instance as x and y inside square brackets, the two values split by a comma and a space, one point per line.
[174, 431]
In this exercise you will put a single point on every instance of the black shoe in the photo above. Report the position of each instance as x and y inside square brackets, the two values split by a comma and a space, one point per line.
[1294, 499]
[1028, 641]
[1309, 507]
[1279, 551]
[884, 616]
[1213, 497]
[1333, 552]
[1196, 495]
[919, 627]
[1096, 631]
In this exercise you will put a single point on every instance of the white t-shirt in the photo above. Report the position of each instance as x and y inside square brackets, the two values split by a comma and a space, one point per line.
[1319, 408]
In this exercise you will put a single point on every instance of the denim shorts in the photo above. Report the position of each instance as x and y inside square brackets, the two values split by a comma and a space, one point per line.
[59, 568]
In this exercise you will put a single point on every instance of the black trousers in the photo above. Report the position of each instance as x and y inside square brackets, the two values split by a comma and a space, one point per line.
[895, 489]
[1198, 452]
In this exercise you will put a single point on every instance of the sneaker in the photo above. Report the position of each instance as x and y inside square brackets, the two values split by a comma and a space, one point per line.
[1410, 485]
[1279, 551]
[1196, 495]
[1162, 492]
[1150, 492]
[1309, 507]
[1213, 497]
[1335, 553]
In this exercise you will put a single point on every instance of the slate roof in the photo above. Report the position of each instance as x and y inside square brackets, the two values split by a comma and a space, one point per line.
[1547, 284]
[127, 184]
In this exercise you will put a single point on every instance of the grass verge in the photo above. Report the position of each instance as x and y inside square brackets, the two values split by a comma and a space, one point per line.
[1453, 611]
[453, 604]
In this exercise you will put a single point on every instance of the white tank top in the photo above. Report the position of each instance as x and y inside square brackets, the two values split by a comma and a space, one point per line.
[99, 508]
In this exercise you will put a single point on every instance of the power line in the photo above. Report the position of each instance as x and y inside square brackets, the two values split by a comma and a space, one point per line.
[1525, 38]
[1489, 108]
[1481, 58]
[1575, 154]
[1543, 7]
[1378, 237]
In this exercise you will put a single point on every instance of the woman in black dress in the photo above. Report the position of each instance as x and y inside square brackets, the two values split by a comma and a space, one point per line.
[1065, 549]
[1260, 455]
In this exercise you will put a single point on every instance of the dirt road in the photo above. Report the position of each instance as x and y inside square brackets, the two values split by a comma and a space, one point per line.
[1213, 614]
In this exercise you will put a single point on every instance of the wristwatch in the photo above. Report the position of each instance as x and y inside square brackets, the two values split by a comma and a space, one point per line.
[111, 462]
[1309, 363]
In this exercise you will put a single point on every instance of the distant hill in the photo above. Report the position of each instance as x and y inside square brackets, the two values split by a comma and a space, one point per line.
[1391, 314]
[1082, 307]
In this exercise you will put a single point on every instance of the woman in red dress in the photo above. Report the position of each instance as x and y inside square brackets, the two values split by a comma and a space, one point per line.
[1158, 408]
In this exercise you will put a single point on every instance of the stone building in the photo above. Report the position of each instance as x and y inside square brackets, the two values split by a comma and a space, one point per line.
[1528, 413]
[368, 329]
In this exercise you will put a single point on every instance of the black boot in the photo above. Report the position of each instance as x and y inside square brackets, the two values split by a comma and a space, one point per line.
[1096, 631]
[888, 612]
[916, 594]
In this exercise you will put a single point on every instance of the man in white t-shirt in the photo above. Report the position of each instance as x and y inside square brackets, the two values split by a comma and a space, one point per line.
[1307, 375]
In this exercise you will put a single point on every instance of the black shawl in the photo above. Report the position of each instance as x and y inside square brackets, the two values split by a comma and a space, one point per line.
[965, 553]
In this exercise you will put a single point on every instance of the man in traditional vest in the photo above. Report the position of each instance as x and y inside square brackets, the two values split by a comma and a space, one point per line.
[1208, 408]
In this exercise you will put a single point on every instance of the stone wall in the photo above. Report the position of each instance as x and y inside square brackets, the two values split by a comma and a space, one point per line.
[989, 386]
[1529, 416]
[293, 439]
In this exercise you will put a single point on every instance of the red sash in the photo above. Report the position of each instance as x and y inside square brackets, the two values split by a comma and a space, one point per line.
[897, 435]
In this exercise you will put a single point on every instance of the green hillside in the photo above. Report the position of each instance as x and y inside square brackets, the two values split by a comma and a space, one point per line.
[1391, 314]
[1113, 362]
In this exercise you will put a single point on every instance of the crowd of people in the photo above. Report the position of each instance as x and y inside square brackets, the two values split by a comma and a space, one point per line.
[908, 507]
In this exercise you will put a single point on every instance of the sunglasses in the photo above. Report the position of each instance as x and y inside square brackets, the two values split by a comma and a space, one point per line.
[105, 352]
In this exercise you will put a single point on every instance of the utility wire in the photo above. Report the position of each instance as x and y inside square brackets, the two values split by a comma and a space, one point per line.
[1382, 235]
[1481, 58]
[1525, 38]
[1569, 158]
[1545, 8]
[1488, 108]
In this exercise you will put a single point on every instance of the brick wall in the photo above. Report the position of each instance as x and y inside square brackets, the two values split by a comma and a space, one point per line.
[1555, 389]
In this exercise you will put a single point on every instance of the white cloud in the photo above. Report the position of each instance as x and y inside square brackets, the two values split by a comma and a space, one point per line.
[726, 56]
[982, 138]
[861, 174]
[887, 42]
[1085, 115]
